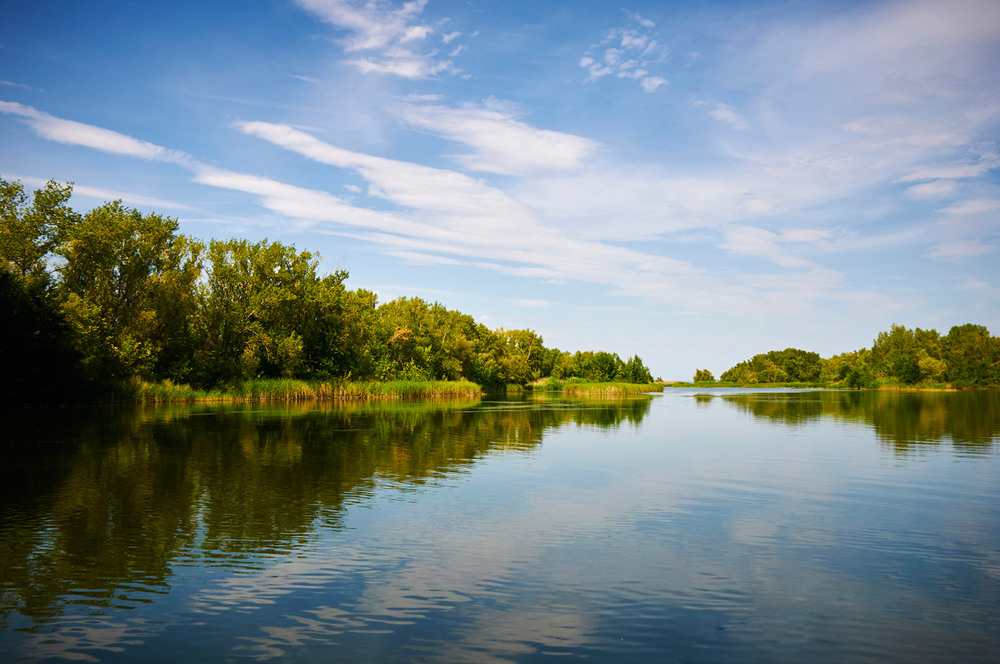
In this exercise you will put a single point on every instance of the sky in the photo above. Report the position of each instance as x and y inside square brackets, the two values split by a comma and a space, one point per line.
[692, 182]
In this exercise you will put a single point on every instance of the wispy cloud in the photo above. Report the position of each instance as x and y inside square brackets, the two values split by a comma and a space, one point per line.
[935, 189]
[971, 207]
[12, 84]
[384, 38]
[501, 143]
[628, 52]
[762, 243]
[960, 250]
[727, 115]
[77, 133]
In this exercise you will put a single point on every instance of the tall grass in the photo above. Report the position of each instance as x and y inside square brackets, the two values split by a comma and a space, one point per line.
[287, 389]
[609, 389]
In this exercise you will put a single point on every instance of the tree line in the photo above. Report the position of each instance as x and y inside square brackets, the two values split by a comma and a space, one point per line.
[968, 356]
[90, 300]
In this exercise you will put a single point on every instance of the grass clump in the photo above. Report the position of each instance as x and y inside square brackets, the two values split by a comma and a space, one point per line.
[609, 389]
[288, 390]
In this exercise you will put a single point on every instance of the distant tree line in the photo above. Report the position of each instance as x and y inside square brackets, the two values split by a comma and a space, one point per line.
[968, 356]
[90, 299]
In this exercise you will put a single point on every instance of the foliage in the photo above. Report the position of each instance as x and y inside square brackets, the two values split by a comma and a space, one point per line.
[899, 358]
[39, 353]
[703, 376]
[972, 356]
[777, 366]
[127, 286]
[30, 232]
[145, 311]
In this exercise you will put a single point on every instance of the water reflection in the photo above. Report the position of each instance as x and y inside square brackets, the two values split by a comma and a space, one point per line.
[733, 527]
[101, 506]
[907, 421]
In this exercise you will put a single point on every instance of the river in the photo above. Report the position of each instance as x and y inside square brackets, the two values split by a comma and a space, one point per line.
[693, 526]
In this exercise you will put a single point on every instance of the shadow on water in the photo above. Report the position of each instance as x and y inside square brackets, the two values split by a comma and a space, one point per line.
[100, 505]
[907, 421]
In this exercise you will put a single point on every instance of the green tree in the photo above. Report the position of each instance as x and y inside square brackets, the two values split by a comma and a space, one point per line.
[30, 232]
[972, 356]
[38, 350]
[896, 354]
[703, 376]
[265, 313]
[128, 283]
[634, 371]
[522, 357]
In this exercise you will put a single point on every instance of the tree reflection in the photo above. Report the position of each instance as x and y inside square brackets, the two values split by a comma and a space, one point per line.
[101, 505]
[970, 420]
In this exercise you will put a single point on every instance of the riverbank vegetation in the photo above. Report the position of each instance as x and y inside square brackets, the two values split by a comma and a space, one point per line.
[117, 304]
[900, 358]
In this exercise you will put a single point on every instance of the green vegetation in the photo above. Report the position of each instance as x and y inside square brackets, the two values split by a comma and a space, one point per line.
[900, 358]
[116, 304]
[608, 389]
[291, 389]
[703, 376]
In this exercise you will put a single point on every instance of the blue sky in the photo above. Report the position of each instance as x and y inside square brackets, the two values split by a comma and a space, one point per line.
[692, 182]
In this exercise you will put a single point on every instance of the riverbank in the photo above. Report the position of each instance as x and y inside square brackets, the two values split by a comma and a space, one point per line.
[264, 390]
[878, 385]
[278, 390]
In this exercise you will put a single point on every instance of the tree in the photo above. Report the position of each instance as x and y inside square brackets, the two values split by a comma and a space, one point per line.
[38, 349]
[634, 371]
[30, 232]
[522, 357]
[128, 284]
[896, 353]
[264, 313]
[703, 376]
[972, 355]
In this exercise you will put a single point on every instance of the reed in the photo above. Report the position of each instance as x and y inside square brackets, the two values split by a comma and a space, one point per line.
[287, 390]
[609, 389]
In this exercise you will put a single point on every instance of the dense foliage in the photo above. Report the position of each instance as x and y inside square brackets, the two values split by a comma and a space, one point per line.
[968, 356]
[776, 366]
[116, 295]
[703, 376]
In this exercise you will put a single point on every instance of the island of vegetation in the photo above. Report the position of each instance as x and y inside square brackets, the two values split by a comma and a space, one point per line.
[114, 304]
[901, 358]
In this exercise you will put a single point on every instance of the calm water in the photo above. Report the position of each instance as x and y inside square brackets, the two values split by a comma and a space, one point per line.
[717, 526]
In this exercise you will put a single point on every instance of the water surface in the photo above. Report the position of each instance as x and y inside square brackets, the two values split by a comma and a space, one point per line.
[696, 526]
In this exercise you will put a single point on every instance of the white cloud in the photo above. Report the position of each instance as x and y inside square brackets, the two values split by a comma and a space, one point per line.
[975, 284]
[960, 250]
[953, 172]
[77, 133]
[651, 83]
[761, 243]
[805, 235]
[935, 189]
[627, 53]
[913, 40]
[390, 37]
[534, 304]
[373, 24]
[408, 66]
[726, 115]
[501, 144]
[442, 213]
[971, 207]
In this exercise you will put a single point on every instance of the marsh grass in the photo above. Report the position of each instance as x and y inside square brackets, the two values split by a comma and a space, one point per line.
[287, 389]
[608, 389]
